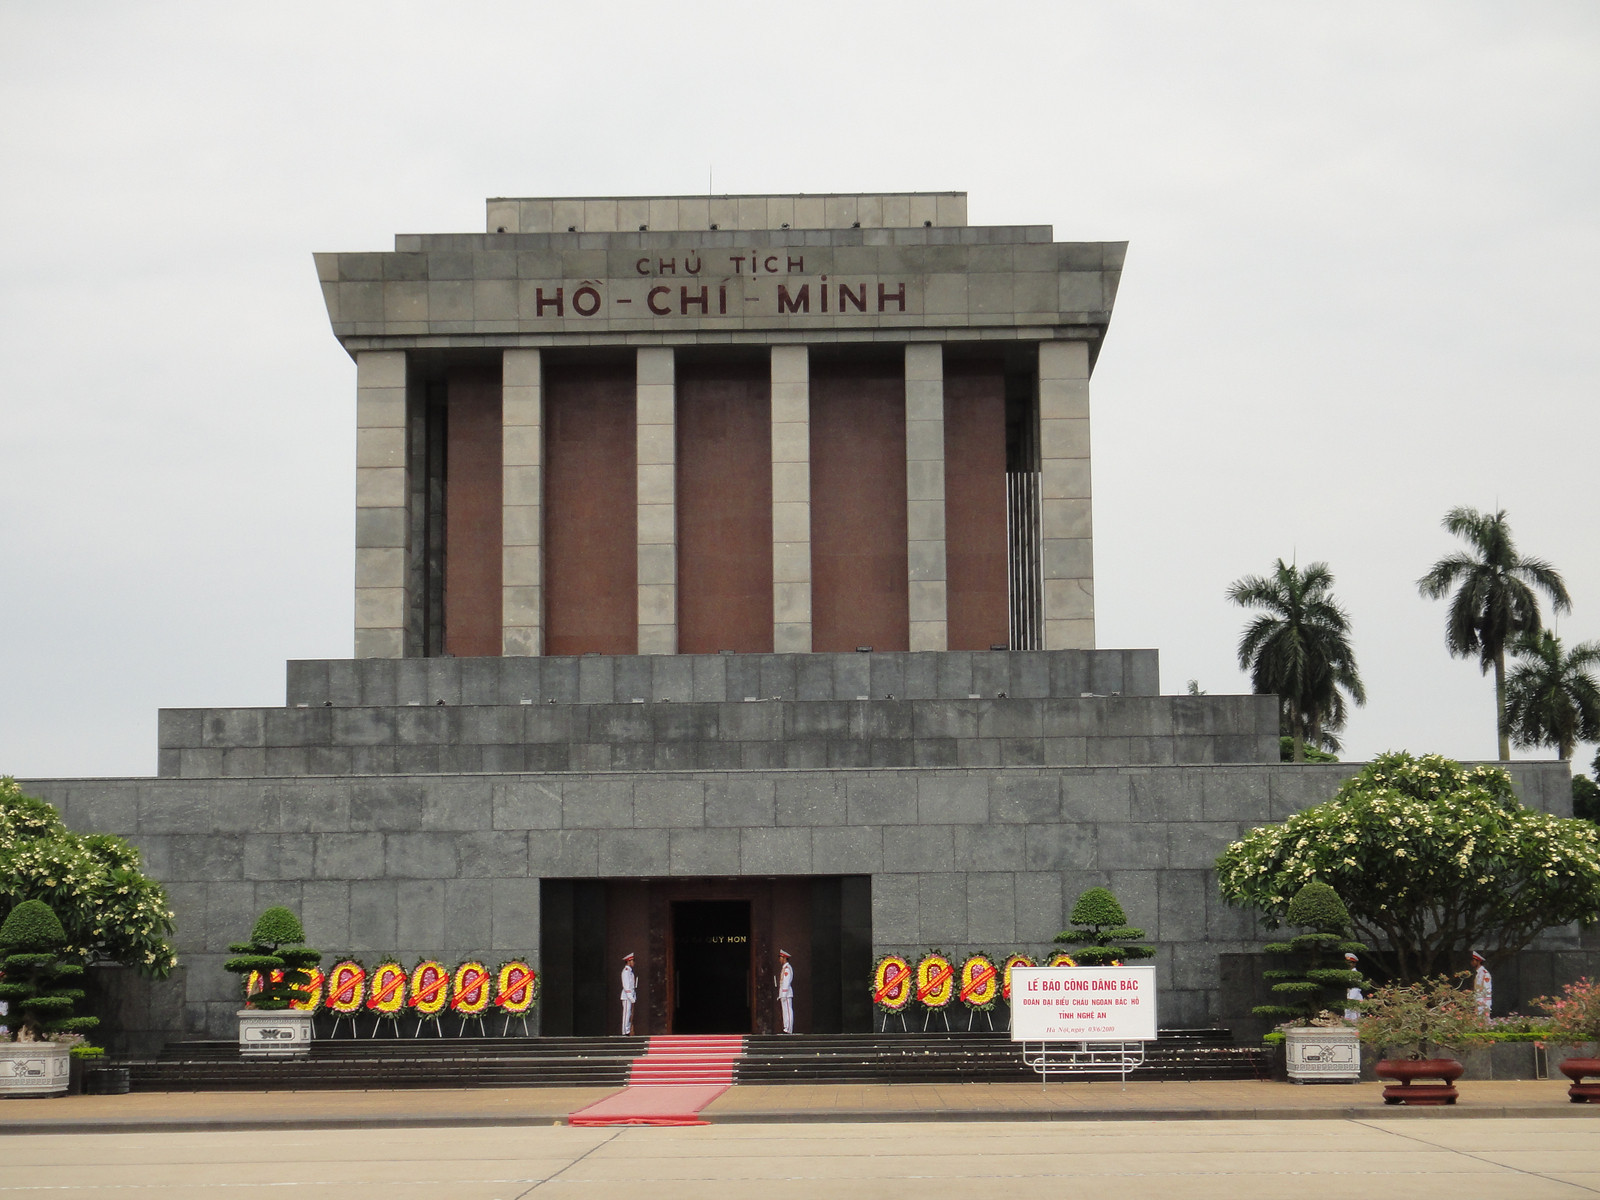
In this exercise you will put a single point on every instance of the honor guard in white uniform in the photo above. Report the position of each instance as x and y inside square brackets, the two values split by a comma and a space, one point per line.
[630, 993]
[1353, 992]
[786, 991]
[1482, 985]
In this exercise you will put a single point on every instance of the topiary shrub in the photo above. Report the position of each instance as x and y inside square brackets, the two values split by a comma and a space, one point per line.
[30, 943]
[1318, 977]
[276, 954]
[1101, 928]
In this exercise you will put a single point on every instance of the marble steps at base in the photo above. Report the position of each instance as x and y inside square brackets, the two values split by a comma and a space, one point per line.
[521, 1062]
[976, 1058]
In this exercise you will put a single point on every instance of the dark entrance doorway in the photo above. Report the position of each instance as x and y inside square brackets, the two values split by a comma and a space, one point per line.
[587, 925]
[711, 966]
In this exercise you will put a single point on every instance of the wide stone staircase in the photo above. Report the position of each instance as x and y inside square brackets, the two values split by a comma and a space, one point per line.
[356, 1063]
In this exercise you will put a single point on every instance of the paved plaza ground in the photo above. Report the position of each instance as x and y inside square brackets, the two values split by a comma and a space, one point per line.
[1493, 1158]
[1516, 1140]
[784, 1103]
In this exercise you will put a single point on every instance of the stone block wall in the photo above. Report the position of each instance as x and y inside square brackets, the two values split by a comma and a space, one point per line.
[403, 740]
[449, 865]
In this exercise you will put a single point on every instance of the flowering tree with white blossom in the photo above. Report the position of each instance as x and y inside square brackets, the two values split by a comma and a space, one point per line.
[110, 911]
[1433, 860]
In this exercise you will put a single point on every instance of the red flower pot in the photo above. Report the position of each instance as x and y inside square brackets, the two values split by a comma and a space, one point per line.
[1443, 1072]
[1575, 1069]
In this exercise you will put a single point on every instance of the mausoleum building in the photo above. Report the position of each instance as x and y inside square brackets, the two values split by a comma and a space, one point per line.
[724, 582]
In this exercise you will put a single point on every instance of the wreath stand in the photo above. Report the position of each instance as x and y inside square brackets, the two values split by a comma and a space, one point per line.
[943, 1010]
[351, 1017]
[523, 1017]
[1083, 1058]
[437, 1032]
[379, 1019]
[901, 1013]
[461, 1030]
[972, 1017]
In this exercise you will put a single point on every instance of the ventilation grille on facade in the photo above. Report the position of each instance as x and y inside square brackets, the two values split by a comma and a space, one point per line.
[1026, 583]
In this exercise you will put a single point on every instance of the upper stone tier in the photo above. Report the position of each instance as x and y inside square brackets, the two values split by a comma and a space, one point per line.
[677, 270]
[792, 210]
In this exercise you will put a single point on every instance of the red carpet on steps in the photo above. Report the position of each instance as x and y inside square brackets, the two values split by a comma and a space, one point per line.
[677, 1076]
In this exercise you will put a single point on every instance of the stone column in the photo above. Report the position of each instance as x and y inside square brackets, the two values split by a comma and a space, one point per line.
[658, 520]
[1066, 531]
[380, 503]
[925, 495]
[522, 514]
[791, 500]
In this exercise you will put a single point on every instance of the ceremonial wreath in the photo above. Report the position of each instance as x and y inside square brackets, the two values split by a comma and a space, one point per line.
[979, 983]
[311, 991]
[935, 980]
[516, 987]
[387, 997]
[891, 984]
[430, 984]
[469, 989]
[1012, 960]
[347, 988]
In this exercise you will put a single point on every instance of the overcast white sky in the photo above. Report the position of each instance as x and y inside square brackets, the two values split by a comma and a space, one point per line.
[1361, 288]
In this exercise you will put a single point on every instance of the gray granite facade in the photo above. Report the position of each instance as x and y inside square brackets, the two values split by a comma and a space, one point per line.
[450, 865]
[371, 740]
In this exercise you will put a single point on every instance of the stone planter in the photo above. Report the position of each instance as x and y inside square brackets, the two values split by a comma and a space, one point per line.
[1322, 1055]
[1577, 1069]
[34, 1069]
[1407, 1071]
[285, 1034]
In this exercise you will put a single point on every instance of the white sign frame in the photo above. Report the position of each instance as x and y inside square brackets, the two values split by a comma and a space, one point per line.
[1062, 1004]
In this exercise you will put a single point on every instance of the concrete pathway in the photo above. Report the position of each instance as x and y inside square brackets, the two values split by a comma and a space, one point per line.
[1491, 1158]
[787, 1103]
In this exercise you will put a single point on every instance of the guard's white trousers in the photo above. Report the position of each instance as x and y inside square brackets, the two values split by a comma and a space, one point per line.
[627, 1017]
[787, 1004]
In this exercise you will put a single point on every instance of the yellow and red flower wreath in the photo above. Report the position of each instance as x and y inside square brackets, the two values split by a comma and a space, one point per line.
[312, 989]
[347, 987]
[388, 993]
[979, 983]
[891, 983]
[936, 980]
[1062, 959]
[516, 987]
[253, 984]
[1012, 960]
[430, 988]
[469, 989]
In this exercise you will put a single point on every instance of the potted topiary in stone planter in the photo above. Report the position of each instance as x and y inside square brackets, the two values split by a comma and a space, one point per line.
[38, 990]
[1101, 932]
[1575, 1020]
[1319, 1045]
[278, 959]
[1416, 1018]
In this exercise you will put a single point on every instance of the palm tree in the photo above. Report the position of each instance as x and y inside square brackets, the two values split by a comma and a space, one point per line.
[1551, 698]
[1494, 597]
[1299, 649]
